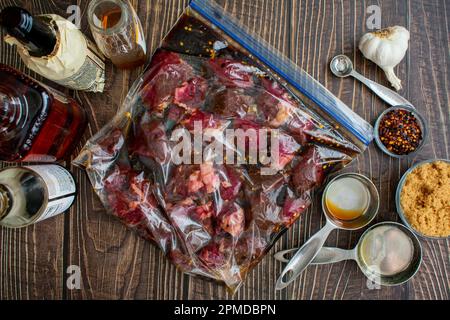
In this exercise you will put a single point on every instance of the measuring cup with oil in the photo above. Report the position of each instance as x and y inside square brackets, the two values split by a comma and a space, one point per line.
[350, 202]
[388, 254]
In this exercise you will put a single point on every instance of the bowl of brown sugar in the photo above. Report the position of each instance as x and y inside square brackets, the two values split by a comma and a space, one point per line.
[423, 198]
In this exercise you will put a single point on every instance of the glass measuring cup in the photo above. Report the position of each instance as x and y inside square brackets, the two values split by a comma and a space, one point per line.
[334, 255]
[308, 252]
[118, 32]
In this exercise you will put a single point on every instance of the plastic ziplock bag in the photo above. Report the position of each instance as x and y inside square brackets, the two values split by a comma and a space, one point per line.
[214, 217]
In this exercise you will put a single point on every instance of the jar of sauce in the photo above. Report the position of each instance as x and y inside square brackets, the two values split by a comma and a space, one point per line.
[118, 32]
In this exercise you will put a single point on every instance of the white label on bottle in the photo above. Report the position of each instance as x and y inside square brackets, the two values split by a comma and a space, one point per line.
[58, 180]
[56, 207]
[61, 189]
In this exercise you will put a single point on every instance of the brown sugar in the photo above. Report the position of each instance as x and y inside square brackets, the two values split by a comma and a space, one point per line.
[425, 199]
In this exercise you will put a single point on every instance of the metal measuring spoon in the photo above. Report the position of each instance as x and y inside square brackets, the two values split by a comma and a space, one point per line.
[325, 256]
[342, 67]
[308, 252]
[334, 255]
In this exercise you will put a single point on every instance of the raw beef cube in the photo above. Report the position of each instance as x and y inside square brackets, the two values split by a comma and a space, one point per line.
[151, 140]
[300, 128]
[234, 104]
[191, 95]
[194, 223]
[109, 145]
[231, 220]
[167, 72]
[263, 193]
[287, 146]
[309, 172]
[231, 183]
[217, 254]
[233, 73]
[294, 207]
[129, 195]
[194, 181]
[205, 120]
[274, 104]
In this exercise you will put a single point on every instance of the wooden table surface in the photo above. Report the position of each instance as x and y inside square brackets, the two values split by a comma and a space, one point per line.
[116, 264]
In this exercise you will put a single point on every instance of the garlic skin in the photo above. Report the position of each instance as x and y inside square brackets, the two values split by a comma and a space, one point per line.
[386, 48]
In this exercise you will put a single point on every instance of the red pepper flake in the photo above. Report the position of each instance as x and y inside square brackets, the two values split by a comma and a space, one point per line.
[400, 132]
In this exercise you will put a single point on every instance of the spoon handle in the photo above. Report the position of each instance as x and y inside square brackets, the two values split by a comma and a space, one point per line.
[333, 255]
[389, 96]
[325, 255]
[304, 256]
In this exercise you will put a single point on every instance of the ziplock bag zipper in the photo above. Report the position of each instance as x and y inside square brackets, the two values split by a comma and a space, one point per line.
[287, 69]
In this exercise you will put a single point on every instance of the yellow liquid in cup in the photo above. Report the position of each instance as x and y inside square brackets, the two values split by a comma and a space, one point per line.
[347, 199]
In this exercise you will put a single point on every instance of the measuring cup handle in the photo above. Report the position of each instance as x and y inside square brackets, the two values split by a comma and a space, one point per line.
[304, 256]
[389, 96]
[333, 255]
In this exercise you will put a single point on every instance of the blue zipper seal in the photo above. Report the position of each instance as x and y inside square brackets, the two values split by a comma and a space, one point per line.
[287, 69]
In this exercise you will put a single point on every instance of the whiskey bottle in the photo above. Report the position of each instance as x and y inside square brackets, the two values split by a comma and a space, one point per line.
[55, 48]
[32, 194]
[36, 123]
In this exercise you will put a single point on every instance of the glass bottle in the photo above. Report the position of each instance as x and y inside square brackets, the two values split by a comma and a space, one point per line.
[55, 48]
[118, 32]
[32, 194]
[36, 123]
[38, 37]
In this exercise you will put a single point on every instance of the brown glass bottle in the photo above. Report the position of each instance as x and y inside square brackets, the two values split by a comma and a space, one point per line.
[36, 122]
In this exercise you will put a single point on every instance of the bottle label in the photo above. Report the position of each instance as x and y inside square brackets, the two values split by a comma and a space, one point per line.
[56, 207]
[61, 189]
[90, 77]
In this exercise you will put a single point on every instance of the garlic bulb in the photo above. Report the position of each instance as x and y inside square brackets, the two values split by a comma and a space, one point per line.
[386, 48]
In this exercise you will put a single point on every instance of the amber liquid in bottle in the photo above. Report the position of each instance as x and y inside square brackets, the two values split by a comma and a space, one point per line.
[36, 124]
[132, 58]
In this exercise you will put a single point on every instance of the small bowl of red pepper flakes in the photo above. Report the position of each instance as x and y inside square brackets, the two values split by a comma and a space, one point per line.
[400, 131]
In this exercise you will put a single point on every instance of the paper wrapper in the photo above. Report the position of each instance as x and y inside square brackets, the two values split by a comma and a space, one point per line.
[75, 63]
